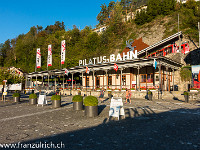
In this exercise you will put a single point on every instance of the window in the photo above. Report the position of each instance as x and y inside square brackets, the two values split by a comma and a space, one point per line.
[87, 81]
[149, 77]
[143, 78]
[157, 77]
[123, 79]
[109, 80]
[97, 81]
[146, 78]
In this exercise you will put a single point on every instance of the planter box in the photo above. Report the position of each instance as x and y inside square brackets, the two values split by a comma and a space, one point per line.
[16, 99]
[91, 111]
[56, 103]
[123, 90]
[193, 90]
[33, 101]
[143, 90]
[152, 90]
[132, 90]
[78, 105]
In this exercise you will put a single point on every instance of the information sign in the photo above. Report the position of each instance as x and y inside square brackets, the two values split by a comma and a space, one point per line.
[42, 99]
[116, 107]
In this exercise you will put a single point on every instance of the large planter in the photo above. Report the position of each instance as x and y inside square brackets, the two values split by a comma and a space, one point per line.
[56, 103]
[91, 111]
[186, 98]
[16, 99]
[33, 101]
[78, 105]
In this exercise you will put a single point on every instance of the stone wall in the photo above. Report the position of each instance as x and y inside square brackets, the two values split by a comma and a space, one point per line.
[174, 95]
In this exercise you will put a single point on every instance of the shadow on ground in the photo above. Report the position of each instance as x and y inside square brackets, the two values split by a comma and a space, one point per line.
[177, 129]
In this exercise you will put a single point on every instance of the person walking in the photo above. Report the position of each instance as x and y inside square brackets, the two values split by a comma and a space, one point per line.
[101, 95]
[127, 96]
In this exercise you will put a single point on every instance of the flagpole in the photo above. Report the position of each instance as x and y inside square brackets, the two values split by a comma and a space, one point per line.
[36, 61]
[48, 72]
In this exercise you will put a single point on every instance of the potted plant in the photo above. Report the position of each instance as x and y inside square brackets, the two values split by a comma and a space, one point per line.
[150, 95]
[56, 101]
[152, 89]
[109, 89]
[77, 102]
[124, 89]
[186, 95]
[143, 89]
[91, 106]
[16, 97]
[98, 89]
[194, 90]
[132, 89]
[33, 99]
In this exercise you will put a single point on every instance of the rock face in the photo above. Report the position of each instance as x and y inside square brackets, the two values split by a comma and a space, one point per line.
[193, 57]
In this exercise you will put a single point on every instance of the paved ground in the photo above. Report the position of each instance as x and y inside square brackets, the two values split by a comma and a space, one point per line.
[157, 124]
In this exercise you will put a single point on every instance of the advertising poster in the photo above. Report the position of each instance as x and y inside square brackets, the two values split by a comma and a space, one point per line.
[196, 76]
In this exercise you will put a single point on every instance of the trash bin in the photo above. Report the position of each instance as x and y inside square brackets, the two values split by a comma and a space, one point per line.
[175, 87]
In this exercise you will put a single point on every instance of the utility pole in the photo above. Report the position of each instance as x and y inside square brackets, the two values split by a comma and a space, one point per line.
[199, 33]
[179, 36]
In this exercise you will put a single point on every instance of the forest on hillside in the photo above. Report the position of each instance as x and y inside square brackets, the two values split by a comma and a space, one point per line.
[83, 44]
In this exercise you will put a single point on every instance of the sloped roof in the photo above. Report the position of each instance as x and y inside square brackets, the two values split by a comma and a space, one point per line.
[140, 45]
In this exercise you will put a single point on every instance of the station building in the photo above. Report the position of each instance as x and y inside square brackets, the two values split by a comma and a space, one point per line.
[131, 69]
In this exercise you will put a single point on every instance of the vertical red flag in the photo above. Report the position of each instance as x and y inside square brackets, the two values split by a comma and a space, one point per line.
[87, 70]
[115, 67]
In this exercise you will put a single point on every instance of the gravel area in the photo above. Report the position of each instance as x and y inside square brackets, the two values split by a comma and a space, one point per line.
[157, 124]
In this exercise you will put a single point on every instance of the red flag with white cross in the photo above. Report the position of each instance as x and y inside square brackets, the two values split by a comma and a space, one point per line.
[87, 70]
[115, 67]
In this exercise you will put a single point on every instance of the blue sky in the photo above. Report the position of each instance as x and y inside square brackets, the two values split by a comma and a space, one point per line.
[18, 16]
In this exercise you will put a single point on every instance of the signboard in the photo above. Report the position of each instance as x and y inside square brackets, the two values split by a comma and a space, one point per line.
[49, 58]
[196, 76]
[103, 59]
[116, 107]
[42, 99]
[63, 52]
[13, 87]
[5, 93]
[38, 58]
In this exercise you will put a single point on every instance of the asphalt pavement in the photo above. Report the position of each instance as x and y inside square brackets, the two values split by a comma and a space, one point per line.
[157, 124]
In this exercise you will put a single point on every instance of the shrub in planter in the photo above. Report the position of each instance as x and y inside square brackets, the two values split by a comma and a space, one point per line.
[186, 95]
[33, 99]
[91, 106]
[77, 102]
[56, 101]
[16, 97]
[150, 95]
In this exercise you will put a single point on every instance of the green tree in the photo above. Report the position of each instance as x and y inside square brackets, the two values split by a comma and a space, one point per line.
[103, 15]
[154, 8]
[168, 6]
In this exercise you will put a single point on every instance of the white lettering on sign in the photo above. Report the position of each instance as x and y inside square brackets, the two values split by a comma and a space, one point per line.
[103, 59]
[116, 107]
